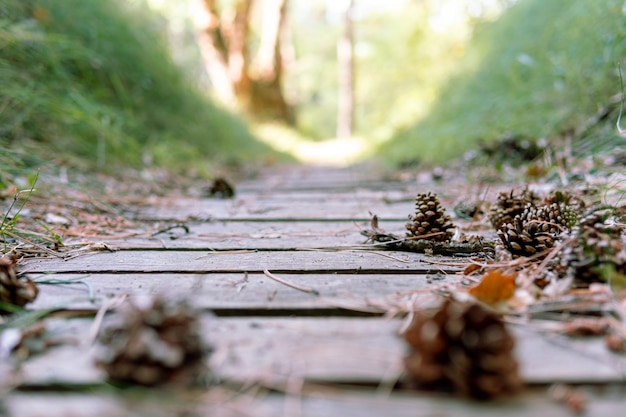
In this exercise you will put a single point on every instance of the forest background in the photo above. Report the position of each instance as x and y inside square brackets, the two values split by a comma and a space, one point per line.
[129, 83]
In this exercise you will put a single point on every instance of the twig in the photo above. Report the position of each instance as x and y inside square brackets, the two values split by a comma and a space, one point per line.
[395, 258]
[426, 245]
[226, 252]
[171, 227]
[621, 132]
[289, 284]
[91, 295]
[97, 321]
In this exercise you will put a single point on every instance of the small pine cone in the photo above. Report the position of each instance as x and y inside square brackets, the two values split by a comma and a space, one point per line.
[553, 218]
[465, 347]
[14, 290]
[575, 263]
[510, 205]
[573, 202]
[153, 342]
[523, 240]
[430, 218]
[596, 250]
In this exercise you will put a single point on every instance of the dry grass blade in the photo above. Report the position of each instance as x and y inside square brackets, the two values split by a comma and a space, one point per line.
[97, 321]
[289, 284]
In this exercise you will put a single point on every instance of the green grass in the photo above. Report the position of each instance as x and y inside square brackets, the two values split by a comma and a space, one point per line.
[541, 68]
[92, 81]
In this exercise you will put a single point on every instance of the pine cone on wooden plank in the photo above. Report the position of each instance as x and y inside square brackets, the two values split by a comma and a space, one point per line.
[14, 290]
[153, 342]
[465, 347]
[510, 205]
[597, 249]
[430, 219]
[522, 239]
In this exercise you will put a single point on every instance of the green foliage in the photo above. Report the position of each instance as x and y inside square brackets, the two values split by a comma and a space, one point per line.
[541, 68]
[94, 80]
[10, 218]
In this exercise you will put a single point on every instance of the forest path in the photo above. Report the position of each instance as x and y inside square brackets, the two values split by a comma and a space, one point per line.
[324, 348]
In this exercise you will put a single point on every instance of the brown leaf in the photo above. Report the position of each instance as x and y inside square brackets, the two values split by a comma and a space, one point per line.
[616, 342]
[471, 268]
[571, 397]
[587, 327]
[495, 287]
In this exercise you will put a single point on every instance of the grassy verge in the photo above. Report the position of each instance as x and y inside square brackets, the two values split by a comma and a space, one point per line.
[92, 83]
[541, 69]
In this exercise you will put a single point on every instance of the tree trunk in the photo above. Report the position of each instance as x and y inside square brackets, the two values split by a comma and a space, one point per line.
[223, 39]
[345, 58]
[213, 48]
[268, 99]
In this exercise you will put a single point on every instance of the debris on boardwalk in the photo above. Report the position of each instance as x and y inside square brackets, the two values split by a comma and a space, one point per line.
[300, 298]
[153, 341]
[463, 347]
[15, 291]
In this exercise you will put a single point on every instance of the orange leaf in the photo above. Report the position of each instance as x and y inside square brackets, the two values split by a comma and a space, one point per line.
[495, 287]
[471, 268]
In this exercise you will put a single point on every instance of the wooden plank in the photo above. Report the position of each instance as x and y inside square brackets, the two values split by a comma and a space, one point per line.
[315, 177]
[330, 401]
[214, 401]
[226, 235]
[63, 405]
[156, 261]
[332, 350]
[254, 235]
[236, 292]
[348, 208]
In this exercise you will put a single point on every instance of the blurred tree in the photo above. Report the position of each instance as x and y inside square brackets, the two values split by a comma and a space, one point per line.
[345, 58]
[225, 42]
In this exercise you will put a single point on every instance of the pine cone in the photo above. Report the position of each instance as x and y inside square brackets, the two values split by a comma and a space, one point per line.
[430, 218]
[465, 347]
[509, 205]
[574, 202]
[152, 343]
[553, 218]
[597, 249]
[523, 239]
[14, 290]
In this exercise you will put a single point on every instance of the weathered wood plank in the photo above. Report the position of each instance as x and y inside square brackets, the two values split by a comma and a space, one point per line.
[311, 402]
[254, 235]
[344, 350]
[269, 209]
[276, 204]
[237, 292]
[156, 261]
[316, 177]
[264, 235]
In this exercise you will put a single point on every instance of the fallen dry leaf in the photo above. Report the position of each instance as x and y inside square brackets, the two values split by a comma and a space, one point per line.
[495, 286]
[616, 343]
[571, 397]
[586, 327]
[471, 268]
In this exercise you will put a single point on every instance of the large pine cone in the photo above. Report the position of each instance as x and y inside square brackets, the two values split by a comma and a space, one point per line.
[510, 205]
[524, 239]
[153, 342]
[14, 290]
[464, 347]
[430, 219]
[597, 249]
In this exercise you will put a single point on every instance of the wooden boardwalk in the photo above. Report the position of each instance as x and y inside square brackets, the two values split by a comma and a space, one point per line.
[280, 351]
